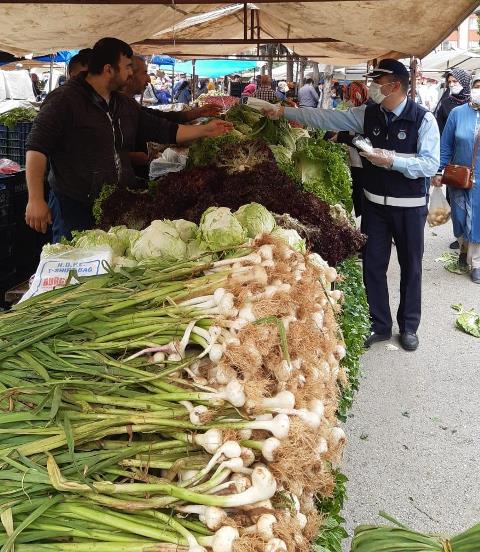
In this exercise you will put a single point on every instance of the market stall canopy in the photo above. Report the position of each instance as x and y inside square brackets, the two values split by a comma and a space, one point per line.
[214, 68]
[162, 60]
[336, 32]
[436, 63]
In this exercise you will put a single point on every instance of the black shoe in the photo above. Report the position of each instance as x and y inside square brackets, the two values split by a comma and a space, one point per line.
[375, 338]
[462, 261]
[475, 275]
[455, 245]
[409, 341]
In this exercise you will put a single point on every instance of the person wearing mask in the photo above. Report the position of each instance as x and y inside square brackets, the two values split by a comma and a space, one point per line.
[457, 93]
[282, 89]
[457, 147]
[135, 86]
[405, 154]
[307, 95]
[264, 91]
[79, 63]
[86, 129]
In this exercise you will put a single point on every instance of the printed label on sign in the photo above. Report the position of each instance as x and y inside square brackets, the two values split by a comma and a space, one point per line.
[53, 272]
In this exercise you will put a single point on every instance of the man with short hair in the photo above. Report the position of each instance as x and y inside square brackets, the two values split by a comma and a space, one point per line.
[405, 154]
[136, 85]
[264, 90]
[86, 129]
[307, 95]
[79, 62]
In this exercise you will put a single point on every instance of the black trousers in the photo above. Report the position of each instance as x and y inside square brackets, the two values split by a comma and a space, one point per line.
[406, 226]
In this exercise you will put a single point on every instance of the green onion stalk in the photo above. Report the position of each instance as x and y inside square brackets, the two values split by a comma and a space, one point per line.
[171, 406]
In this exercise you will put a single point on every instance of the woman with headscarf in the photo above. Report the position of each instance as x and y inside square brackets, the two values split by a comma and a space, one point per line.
[457, 93]
[457, 147]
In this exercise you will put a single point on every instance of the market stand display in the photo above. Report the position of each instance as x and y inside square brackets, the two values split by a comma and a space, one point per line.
[203, 410]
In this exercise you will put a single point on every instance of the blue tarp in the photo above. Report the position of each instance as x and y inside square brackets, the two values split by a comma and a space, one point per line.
[60, 57]
[162, 60]
[215, 68]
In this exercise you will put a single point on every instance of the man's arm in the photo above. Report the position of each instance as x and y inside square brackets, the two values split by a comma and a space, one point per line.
[427, 160]
[37, 214]
[327, 119]
[188, 115]
[217, 127]
[47, 131]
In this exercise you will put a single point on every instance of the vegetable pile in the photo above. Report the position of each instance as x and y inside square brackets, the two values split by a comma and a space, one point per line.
[369, 538]
[17, 115]
[186, 403]
[189, 193]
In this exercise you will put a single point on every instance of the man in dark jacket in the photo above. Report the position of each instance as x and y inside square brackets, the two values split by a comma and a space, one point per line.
[135, 86]
[86, 129]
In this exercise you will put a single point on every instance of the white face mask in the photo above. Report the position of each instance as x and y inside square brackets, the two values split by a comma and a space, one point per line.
[475, 96]
[375, 93]
[456, 88]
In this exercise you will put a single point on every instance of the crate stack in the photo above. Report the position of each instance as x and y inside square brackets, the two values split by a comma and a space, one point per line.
[13, 142]
[13, 194]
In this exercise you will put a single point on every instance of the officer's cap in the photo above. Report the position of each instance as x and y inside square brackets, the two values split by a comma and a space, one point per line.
[388, 67]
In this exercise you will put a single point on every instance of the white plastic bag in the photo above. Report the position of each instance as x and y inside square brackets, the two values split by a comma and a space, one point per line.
[53, 271]
[439, 209]
[169, 161]
[260, 105]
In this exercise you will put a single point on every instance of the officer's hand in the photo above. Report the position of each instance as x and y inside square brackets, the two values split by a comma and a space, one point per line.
[216, 128]
[437, 181]
[275, 112]
[380, 157]
[38, 215]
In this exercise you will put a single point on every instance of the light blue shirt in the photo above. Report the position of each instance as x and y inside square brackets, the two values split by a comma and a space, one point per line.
[307, 96]
[424, 164]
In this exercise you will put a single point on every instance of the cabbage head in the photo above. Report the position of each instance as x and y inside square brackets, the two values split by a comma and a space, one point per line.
[95, 238]
[128, 236]
[256, 219]
[291, 238]
[50, 249]
[220, 230]
[187, 230]
[160, 239]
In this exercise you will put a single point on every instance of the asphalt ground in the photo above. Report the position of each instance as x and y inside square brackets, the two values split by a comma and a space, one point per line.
[414, 430]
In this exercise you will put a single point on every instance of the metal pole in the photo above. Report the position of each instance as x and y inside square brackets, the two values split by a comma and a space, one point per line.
[413, 77]
[50, 80]
[173, 81]
[194, 86]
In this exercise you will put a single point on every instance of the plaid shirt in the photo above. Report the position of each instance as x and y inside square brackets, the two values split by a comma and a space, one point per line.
[265, 93]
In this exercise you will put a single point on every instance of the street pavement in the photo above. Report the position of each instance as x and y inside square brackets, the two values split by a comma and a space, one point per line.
[414, 430]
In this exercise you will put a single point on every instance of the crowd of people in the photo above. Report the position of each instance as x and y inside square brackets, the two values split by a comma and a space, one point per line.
[92, 131]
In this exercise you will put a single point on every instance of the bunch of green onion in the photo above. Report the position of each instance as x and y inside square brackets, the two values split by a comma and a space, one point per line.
[399, 538]
[124, 431]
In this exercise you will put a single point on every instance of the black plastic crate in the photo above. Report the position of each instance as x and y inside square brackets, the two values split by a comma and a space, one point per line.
[17, 140]
[13, 197]
[3, 141]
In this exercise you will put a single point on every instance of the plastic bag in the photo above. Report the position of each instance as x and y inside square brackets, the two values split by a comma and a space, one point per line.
[54, 271]
[7, 166]
[169, 161]
[439, 209]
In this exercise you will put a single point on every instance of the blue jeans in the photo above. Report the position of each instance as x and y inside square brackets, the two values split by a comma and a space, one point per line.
[67, 215]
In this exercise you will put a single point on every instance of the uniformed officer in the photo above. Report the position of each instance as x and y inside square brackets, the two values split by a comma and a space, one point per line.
[406, 153]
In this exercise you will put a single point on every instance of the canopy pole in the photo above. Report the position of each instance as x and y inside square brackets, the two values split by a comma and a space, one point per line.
[413, 77]
[50, 79]
[173, 82]
[194, 84]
